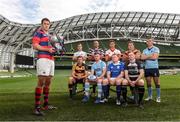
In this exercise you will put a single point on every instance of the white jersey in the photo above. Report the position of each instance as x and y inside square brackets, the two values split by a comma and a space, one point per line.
[80, 53]
[110, 52]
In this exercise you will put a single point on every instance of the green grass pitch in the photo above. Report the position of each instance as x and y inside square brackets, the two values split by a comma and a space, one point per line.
[17, 102]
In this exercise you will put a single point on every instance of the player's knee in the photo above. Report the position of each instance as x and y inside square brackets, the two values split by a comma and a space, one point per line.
[40, 84]
[99, 81]
[70, 78]
[105, 82]
[124, 82]
[141, 82]
[118, 82]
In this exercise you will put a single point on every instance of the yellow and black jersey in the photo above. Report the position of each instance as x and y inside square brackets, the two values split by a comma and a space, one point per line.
[79, 70]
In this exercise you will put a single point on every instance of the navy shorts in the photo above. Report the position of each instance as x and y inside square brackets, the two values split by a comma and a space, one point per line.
[152, 72]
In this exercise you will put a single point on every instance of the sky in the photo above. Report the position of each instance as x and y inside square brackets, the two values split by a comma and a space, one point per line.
[32, 11]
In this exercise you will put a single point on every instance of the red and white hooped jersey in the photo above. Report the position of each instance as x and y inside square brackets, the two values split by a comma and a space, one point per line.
[110, 52]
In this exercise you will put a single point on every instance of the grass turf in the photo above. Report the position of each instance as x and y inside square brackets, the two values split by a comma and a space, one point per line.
[17, 99]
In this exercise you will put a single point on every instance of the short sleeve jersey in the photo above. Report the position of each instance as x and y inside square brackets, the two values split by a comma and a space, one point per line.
[96, 50]
[43, 39]
[98, 67]
[110, 52]
[115, 69]
[150, 63]
[133, 68]
[79, 70]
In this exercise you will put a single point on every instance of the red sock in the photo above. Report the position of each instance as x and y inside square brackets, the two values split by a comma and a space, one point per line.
[38, 92]
[46, 95]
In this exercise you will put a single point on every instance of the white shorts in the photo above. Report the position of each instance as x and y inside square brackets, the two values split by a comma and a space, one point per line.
[45, 67]
[112, 78]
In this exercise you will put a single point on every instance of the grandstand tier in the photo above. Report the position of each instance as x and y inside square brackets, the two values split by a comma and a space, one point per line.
[15, 38]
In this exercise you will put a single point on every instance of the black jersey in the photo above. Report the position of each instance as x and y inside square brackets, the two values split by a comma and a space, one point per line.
[133, 69]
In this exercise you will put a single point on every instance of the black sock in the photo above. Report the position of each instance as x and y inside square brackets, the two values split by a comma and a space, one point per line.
[118, 91]
[104, 87]
[94, 88]
[124, 92]
[108, 87]
[70, 89]
[141, 90]
[132, 90]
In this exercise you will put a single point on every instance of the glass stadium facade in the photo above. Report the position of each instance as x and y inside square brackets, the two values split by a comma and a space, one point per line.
[16, 38]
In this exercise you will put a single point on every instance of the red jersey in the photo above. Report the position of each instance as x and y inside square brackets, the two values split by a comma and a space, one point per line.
[42, 39]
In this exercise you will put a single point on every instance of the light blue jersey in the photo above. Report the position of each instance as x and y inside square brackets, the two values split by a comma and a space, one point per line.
[150, 63]
[98, 67]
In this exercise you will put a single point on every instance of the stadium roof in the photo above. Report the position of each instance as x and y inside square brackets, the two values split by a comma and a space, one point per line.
[163, 27]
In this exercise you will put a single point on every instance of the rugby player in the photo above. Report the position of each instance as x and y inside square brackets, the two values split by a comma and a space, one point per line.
[134, 77]
[98, 69]
[131, 48]
[137, 53]
[94, 50]
[79, 74]
[115, 74]
[112, 50]
[150, 56]
[79, 53]
[45, 65]
[108, 54]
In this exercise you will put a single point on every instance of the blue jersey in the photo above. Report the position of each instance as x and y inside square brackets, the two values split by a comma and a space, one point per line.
[115, 69]
[150, 63]
[98, 68]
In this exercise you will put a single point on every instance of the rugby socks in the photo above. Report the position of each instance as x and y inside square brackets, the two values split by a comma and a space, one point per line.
[38, 92]
[87, 89]
[94, 88]
[70, 89]
[46, 95]
[105, 88]
[108, 88]
[149, 91]
[124, 92]
[158, 91]
[141, 90]
[99, 90]
[118, 91]
[132, 90]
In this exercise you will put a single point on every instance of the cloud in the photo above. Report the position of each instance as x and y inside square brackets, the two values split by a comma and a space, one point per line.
[32, 11]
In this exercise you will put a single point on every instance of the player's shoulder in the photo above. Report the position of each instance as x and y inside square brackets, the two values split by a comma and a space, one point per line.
[75, 64]
[138, 62]
[117, 50]
[136, 51]
[156, 48]
[102, 62]
[38, 33]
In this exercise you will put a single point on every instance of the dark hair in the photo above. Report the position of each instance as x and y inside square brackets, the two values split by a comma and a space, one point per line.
[129, 41]
[96, 41]
[97, 53]
[45, 19]
[111, 40]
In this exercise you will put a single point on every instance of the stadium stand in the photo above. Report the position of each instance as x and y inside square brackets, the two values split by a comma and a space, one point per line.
[15, 38]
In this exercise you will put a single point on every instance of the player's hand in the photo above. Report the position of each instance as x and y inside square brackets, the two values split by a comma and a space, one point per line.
[51, 50]
[133, 83]
[108, 79]
[79, 77]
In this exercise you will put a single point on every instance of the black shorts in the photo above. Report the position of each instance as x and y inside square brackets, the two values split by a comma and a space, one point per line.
[79, 80]
[152, 72]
